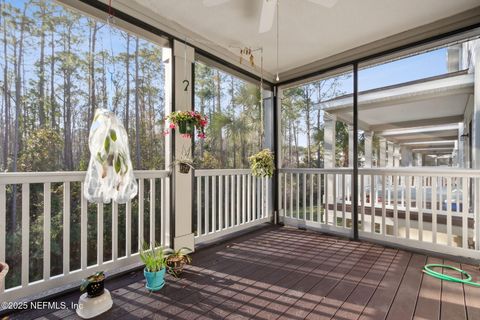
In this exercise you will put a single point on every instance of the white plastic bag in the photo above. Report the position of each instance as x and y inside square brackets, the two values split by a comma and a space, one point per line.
[110, 172]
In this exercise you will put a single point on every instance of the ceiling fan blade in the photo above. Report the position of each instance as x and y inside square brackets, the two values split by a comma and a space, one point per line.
[267, 15]
[212, 3]
[325, 3]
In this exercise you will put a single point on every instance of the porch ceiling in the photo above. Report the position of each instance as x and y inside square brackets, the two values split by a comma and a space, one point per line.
[325, 32]
[422, 113]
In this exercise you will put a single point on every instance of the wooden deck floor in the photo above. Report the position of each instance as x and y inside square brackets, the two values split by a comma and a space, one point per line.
[284, 273]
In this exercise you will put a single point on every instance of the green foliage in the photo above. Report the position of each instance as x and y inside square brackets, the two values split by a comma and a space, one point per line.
[262, 163]
[96, 277]
[153, 257]
[42, 151]
[182, 253]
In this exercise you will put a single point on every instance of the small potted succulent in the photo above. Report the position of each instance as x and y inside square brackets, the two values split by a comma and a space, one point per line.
[186, 122]
[94, 284]
[262, 163]
[3, 271]
[177, 259]
[155, 266]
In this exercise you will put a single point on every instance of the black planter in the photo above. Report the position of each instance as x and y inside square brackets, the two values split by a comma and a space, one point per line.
[184, 168]
[95, 289]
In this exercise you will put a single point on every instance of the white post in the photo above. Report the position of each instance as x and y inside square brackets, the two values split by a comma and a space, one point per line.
[418, 159]
[461, 147]
[396, 155]
[329, 152]
[368, 149]
[390, 154]
[183, 182]
[383, 153]
[476, 142]
[350, 146]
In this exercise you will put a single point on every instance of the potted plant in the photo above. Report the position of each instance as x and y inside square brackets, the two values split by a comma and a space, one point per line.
[262, 163]
[187, 122]
[3, 271]
[177, 259]
[155, 266]
[185, 162]
[94, 284]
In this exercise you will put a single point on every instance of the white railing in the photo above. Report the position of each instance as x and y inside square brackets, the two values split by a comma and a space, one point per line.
[73, 214]
[426, 208]
[228, 201]
[316, 198]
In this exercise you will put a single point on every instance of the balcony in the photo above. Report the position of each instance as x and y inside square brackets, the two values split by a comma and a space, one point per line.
[375, 140]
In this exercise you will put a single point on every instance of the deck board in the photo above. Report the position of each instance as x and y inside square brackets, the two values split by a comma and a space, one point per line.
[285, 273]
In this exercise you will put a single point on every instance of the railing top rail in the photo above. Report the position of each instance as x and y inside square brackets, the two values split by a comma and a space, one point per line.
[67, 176]
[220, 172]
[423, 171]
[316, 170]
[413, 171]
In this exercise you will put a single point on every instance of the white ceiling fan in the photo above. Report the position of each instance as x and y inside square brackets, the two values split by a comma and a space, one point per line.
[269, 8]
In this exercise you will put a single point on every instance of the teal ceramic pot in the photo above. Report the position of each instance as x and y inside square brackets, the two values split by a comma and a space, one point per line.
[155, 280]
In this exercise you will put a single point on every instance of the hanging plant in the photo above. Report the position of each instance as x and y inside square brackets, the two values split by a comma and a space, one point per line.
[262, 163]
[186, 122]
[248, 53]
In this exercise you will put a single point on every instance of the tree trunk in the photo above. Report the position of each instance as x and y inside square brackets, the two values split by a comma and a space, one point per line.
[91, 78]
[68, 155]
[41, 80]
[52, 80]
[137, 115]
[127, 94]
[6, 95]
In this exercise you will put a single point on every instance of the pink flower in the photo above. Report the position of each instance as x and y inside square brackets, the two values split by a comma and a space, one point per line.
[202, 135]
[186, 135]
[166, 132]
[172, 125]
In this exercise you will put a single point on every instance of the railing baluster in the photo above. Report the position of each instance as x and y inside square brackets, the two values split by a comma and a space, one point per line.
[249, 198]
[395, 205]
[334, 175]
[344, 204]
[221, 194]
[311, 196]
[232, 200]
[25, 233]
[265, 196]
[207, 205]
[285, 194]
[465, 202]
[304, 183]
[384, 226]
[362, 199]
[326, 194]
[434, 209]
[66, 228]
[3, 231]
[214, 203]
[100, 234]
[298, 196]
[291, 196]
[83, 229]
[238, 178]
[319, 197]
[128, 228]
[407, 208]
[141, 195]
[47, 214]
[244, 198]
[115, 231]
[227, 201]
[449, 211]
[199, 206]
[372, 204]
[152, 212]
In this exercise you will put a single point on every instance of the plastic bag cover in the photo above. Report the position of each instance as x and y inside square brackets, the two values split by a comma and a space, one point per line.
[110, 172]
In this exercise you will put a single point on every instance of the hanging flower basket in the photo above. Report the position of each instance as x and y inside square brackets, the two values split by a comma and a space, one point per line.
[187, 122]
[186, 127]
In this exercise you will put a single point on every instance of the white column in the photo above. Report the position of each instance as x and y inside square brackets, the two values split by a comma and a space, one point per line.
[329, 151]
[390, 154]
[382, 163]
[368, 149]
[461, 146]
[407, 157]
[418, 159]
[476, 141]
[351, 138]
[396, 155]
[183, 182]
